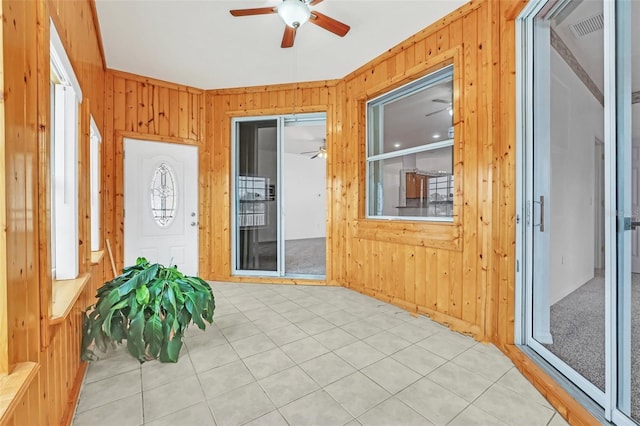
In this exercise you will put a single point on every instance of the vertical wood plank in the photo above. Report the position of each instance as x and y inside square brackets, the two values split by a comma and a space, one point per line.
[131, 106]
[183, 118]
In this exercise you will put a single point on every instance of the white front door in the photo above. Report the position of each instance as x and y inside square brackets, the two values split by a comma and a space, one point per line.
[161, 204]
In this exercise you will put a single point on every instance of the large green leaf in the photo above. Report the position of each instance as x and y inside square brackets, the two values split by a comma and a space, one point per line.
[141, 278]
[193, 306]
[142, 295]
[153, 335]
[135, 342]
[171, 347]
[104, 305]
[169, 300]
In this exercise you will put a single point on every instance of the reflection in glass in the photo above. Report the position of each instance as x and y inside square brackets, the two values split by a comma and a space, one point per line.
[304, 186]
[413, 185]
[257, 171]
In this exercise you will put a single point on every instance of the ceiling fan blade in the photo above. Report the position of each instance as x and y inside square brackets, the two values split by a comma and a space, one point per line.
[441, 101]
[329, 24]
[435, 112]
[314, 156]
[288, 37]
[255, 11]
[314, 2]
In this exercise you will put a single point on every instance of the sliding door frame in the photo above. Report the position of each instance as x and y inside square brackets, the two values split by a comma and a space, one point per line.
[525, 111]
[281, 122]
[235, 202]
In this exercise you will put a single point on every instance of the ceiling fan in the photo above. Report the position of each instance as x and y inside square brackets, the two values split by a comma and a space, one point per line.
[441, 101]
[320, 152]
[295, 13]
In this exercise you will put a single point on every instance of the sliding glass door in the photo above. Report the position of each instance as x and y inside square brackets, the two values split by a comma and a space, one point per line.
[626, 326]
[279, 183]
[256, 207]
[580, 196]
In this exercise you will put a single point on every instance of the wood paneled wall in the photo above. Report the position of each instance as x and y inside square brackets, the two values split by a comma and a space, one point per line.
[147, 109]
[461, 274]
[54, 348]
[442, 270]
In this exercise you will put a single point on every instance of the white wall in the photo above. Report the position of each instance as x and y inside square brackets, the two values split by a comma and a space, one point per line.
[268, 167]
[304, 192]
[576, 121]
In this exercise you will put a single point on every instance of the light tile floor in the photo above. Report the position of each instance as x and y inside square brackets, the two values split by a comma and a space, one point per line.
[304, 355]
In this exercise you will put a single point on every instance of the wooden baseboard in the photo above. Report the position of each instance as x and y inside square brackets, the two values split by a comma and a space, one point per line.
[558, 397]
[74, 394]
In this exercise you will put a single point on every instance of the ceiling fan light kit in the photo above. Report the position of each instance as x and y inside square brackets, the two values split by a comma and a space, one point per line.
[294, 13]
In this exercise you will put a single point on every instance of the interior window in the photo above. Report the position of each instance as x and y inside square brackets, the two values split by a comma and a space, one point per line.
[96, 140]
[410, 150]
[65, 97]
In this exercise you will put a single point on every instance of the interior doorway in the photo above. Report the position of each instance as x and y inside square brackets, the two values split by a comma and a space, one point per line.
[279, 187]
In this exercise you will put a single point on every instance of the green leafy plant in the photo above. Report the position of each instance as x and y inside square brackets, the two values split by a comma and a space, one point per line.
[149, 306]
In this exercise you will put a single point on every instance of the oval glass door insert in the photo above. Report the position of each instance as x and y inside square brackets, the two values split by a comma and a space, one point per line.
[163, 192]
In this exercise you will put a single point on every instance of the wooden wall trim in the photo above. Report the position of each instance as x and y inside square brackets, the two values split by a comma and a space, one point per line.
[275, 280]
[121, 134]
[4, 330]
[96, 24]
[459, 13]
[564, 403]
[153, 81]
[284, 110]
[441, 235]
[274, 87]
[44, 174]
[453, 323]
[74, 395]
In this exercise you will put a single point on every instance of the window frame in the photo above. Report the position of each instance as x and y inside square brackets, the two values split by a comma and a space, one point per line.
[95, 187]
[435, 76]
[435, 235]
[65, 141]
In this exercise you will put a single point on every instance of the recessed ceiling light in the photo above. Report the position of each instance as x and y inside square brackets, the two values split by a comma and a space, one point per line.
[436, 135]
[396, 145]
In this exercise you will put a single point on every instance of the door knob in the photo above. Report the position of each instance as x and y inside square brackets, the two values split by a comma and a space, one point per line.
[194, 223]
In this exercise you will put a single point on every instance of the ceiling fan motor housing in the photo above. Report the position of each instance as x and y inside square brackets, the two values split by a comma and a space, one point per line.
[294, 13]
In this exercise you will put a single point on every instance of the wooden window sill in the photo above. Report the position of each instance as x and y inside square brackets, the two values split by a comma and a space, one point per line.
[96, 257]
[13, 387]
[64, 295]
[439, 235]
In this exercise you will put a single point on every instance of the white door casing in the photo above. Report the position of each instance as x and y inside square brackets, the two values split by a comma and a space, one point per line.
[170, 235]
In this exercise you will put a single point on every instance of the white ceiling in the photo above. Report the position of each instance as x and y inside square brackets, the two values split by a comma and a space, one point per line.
[198, 43]
[589, 50]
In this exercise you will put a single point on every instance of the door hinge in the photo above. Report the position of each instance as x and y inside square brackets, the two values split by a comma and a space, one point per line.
[517, 266]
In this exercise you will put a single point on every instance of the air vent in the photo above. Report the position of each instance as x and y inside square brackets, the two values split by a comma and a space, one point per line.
[588, 26]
